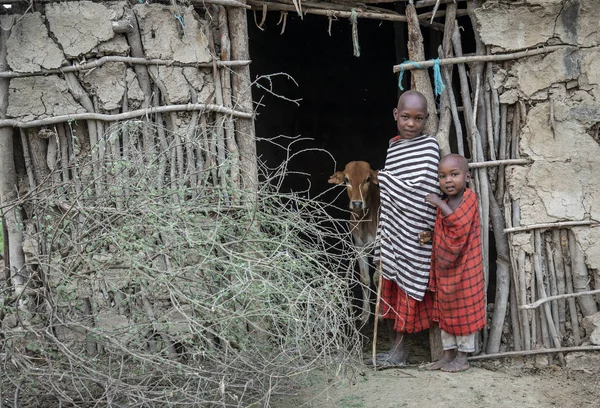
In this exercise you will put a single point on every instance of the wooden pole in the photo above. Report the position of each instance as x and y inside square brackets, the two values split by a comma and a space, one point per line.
[477, 58]
[493, 163]
[420, 80]
[540, 302]
[560, 280]
[127, 60]
[11, 215]
[581, 280]
[190, 107]
[564, 245]
[548, 326]
[523, 299]
[376, 323]
[533, 352]
[241, 85]
[560, 224]
[553, 286]
[326, 9]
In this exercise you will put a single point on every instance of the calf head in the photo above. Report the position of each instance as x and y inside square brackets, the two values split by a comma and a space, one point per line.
[359, 179]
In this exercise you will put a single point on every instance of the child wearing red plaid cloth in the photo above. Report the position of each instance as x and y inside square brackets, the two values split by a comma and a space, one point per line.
[456, 265]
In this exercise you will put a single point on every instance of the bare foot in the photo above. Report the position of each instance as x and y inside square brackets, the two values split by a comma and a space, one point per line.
[438, 365]
[460, 363]
[442, 362]
[399, 356]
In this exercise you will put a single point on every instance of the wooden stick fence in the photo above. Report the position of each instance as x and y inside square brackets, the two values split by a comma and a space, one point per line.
[544, 288]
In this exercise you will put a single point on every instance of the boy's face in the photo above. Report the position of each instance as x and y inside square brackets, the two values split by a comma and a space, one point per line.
[453, 176]
[411, 115]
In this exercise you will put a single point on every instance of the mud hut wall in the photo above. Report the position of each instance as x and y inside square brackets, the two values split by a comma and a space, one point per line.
[553, 101]
[85, 163]
[63, 34]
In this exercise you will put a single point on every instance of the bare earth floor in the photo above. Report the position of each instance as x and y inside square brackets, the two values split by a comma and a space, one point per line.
[489, 385]
[507, 383]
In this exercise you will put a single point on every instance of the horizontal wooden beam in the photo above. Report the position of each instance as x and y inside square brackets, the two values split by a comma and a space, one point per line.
[125, 115]
[128, 60]
[406, 66]
[430, 3]
[560, 224]
[228, 3]
[494, 163]
[540, 302]
[533, 352]
[329, 10]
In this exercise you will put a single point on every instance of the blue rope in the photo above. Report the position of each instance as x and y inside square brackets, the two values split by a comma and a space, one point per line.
[402, 72]
[180, 19]
[437, 77]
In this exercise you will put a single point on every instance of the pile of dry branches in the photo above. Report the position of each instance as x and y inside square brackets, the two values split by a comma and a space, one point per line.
[156, 293]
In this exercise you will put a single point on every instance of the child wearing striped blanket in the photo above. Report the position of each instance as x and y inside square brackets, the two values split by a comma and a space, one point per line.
[410, 174]
[456, 265]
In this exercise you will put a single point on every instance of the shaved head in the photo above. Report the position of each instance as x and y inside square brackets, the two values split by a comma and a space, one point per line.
[413, 97]
[458, 159]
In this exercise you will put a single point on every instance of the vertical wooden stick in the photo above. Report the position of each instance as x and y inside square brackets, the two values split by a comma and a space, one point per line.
[503, 274]
[517, 325]
[548, 326]
[534, 316]
[560, 280]
[564, 245]
[514, 144]
[523, 300]
[232, 147]
[552, 283]
[242, 97]
[501, 153]
[581, 281]
[420, 78]
[376, 323]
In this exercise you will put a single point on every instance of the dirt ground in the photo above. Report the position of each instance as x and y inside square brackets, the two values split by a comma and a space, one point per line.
[519, 383]
[484, 385]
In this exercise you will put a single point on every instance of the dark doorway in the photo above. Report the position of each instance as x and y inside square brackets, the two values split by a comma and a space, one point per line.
[344, 102]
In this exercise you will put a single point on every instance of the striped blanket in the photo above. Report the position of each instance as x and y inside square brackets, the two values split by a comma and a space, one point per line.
[410, 173]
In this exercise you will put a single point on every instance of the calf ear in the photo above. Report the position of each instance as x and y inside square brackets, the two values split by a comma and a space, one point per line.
[374, 178]
[336, 178]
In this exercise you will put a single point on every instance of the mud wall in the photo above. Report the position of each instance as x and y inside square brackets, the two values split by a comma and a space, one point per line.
[555, 104]
[119, 63]
[62, 34]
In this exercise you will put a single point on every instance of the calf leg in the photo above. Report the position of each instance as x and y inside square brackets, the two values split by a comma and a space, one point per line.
[365, 280]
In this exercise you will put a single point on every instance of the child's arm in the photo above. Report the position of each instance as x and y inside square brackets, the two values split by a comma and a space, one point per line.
[436, 201]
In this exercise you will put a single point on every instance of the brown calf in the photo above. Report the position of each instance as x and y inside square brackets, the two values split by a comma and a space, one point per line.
[363, 190]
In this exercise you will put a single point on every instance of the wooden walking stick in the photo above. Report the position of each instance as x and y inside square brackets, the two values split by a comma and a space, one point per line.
[377, 302]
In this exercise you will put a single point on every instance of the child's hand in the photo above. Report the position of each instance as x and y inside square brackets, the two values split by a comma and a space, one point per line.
[433, 199]
[424, 237]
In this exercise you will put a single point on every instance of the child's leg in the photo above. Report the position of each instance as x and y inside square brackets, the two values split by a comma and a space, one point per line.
[449, 345]
[397, 350]
[466, 345]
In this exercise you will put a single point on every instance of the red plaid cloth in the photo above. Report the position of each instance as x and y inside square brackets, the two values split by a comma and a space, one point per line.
[457, 270]
[410, 315]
